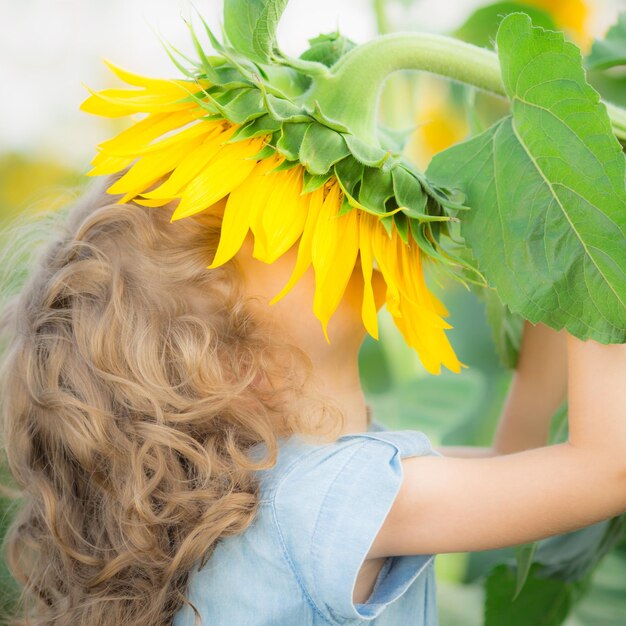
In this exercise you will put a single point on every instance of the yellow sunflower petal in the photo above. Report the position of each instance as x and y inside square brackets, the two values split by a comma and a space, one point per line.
[430, 343]
[97, 105]
[235, 227]
[334, 252]
[103, 157]
[157, 84]
[241, 206]
[418, 318]
[411, 281]
[135, 138]
[416, 288]
[264, 185]
[119, 102]
[200, 129]
[304, 258]
[385, 254]
[414, 332]
[438, 305]
[192, 164]
[104, 165]
[226, 171]
[368, 309]
[285, 213]
[149, 169]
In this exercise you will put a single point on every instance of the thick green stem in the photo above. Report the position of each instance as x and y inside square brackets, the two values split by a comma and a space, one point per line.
[388, 102]
[350, 94]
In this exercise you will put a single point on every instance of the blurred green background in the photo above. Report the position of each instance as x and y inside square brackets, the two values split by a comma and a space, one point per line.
[47, 171]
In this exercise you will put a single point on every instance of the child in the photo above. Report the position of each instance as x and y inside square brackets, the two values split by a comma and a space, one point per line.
[187, 452]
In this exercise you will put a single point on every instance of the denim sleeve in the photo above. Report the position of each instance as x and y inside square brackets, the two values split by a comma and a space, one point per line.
[328, 510]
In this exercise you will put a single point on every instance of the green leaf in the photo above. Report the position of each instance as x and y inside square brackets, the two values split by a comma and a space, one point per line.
[387, 222]
[437, 405]
[548, 223]
[325, 120]
[240, 105]
[402, 225]
[327, 49]
[574, 556]
[410, 195]
[312, 183]
[559, 427]
[264, 153]
[228, 76]
[605, 604]
[321, 148]
[481, 27]
[419, 231]
[376, 189]
[524, 556]
[394, 140]
[542, 602]
[349, 173]
[365, 153]
[506, 327]
[560, 575]
[291, 136]
[611, 51]
[286, 165]
[611, 87]
[250, 26]
[175, 57]
[213, 40]
[284, 110]
[345, 207]
[207, 68]
[264, 125]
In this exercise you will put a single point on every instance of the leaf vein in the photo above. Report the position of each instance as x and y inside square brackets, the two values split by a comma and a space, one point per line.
[565, 213]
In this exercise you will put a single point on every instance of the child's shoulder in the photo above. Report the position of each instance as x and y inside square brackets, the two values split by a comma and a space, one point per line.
[326, 502]
[302, 463]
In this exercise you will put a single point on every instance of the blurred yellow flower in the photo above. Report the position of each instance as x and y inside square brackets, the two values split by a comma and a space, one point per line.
[441, 123]
[570, 15]
[55, 185]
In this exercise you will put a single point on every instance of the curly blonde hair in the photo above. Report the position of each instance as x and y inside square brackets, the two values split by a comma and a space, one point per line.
[133, 382]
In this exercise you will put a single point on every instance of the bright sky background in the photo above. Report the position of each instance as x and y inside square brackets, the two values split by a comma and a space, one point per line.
[49, 47]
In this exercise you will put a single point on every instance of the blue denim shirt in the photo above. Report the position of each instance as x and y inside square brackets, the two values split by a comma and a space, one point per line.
[320, 509]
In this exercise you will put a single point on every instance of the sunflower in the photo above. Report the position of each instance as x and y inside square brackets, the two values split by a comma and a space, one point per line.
[178, 152]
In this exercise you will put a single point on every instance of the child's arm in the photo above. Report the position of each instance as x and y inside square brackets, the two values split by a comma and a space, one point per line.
[456, 505]
[538, 388]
